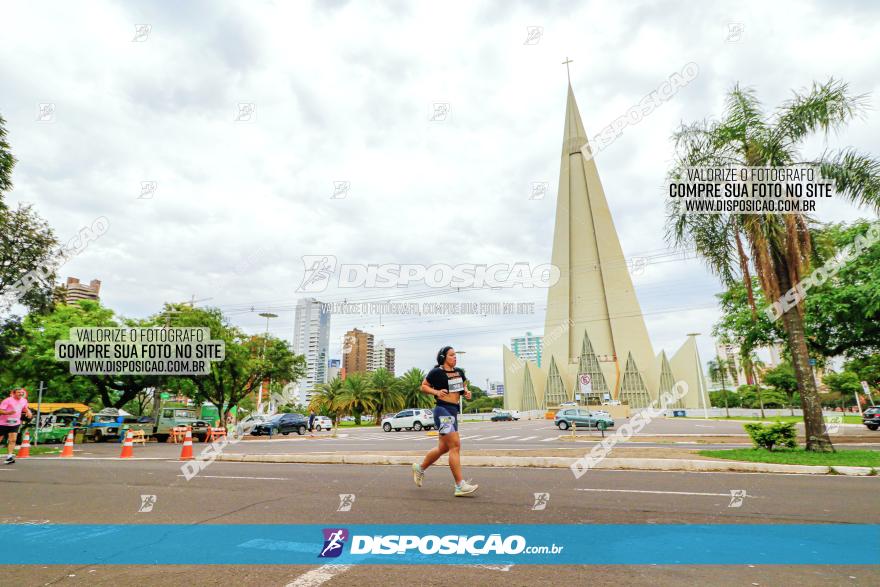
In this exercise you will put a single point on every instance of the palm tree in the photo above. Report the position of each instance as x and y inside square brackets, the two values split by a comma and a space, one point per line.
[779, 246]
[716, 373]
[387, 396]
[357, 396]
[326, 399]
[750, 362]
[409, 384]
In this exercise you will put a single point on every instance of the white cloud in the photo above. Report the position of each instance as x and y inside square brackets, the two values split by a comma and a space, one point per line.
[344, 92]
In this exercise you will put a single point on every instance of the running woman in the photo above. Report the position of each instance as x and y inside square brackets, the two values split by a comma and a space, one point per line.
[10, 419]
[447, 384]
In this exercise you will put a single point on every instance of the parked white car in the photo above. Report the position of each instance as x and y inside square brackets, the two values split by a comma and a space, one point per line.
[411, 419]
[513, 413]
[322, 423]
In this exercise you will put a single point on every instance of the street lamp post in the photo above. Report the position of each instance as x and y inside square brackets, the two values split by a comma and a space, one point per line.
[267, 316]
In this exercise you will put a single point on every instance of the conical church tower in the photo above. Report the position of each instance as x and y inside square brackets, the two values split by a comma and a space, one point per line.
[596, 345]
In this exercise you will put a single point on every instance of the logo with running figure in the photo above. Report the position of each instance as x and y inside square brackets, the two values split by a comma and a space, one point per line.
[318, 269]
[334, 541]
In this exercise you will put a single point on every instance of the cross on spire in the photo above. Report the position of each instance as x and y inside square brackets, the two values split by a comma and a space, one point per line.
[567, 72]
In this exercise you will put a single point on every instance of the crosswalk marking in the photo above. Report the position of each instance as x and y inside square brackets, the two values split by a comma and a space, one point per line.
[401, 437]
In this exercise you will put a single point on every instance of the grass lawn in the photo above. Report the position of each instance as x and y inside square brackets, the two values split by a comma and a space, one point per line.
[847, 419]
[850, 458]
[43, 449]
[353, 425]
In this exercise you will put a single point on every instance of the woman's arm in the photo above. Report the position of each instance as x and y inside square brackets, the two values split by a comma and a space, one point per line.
[426, 388]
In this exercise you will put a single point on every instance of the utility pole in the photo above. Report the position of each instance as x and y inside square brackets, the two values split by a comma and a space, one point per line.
[39, 410]
[267, 316]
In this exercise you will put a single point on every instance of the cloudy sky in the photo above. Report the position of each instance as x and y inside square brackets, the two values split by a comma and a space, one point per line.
[346, 92]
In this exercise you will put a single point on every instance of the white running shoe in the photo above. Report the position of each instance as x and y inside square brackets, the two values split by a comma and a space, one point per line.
[10, 459]
[418, 474]
[465, 488]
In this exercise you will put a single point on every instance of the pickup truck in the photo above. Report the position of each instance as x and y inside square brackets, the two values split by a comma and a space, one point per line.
[171, 417]
[109, 426]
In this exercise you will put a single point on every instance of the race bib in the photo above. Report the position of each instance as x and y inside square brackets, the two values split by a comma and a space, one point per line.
[456, 385]
[12, 421]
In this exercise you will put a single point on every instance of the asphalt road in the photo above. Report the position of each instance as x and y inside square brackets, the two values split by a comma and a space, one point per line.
[520, 435]
[109, 491]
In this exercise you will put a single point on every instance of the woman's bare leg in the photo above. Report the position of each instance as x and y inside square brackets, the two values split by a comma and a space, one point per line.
[438, 451]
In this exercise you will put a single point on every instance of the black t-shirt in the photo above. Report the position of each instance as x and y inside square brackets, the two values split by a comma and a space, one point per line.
[438, 379]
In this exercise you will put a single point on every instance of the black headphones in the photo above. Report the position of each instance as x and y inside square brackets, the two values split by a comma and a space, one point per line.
[441, 356]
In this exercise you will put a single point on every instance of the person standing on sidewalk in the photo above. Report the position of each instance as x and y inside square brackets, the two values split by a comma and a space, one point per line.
[11, 410]
[311, 420]
[447, 384]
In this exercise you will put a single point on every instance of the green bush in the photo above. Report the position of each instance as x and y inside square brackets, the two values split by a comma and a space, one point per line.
[776, 434]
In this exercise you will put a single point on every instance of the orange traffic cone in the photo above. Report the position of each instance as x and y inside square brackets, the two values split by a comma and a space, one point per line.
[127, 450]
[25, 450]
[68, 445]
[186, 453]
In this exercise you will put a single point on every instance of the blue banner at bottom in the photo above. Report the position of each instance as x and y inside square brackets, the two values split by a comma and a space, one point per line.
[529, 544]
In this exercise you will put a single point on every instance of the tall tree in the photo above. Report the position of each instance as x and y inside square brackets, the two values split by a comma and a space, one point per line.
[386, 395]
[325, 400]
[718, 371]
[357, 397]
[781, 378]
[32, 358]
[27, 245]
[779, 246]
[248, 362]
[409, 385]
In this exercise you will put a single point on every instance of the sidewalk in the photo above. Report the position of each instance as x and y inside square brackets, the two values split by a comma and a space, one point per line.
[623, 458]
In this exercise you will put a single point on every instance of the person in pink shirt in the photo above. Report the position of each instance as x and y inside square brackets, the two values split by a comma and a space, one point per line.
[11, 409]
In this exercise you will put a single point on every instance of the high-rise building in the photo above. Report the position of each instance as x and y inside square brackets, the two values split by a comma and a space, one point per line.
[311, 338]
[527, 347]
[734, 374]
[383, 357]
[389, 359]
[596, 345]
[357, 349]
[333, 369]
[74, 291]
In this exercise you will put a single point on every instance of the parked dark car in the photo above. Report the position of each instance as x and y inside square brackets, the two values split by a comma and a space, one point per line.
[502, 417]
[871, 418]
[284, 424]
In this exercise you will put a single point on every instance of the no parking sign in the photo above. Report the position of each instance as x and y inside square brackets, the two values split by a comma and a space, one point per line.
[585, 383]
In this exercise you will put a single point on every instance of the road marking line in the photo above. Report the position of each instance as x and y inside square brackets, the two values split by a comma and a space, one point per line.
[58, 460]
[486, 437]
[548, 439]
[508, 438]
[503, 568]
[234, 477]
[660, 492]
[318, 576]
[527, 438]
